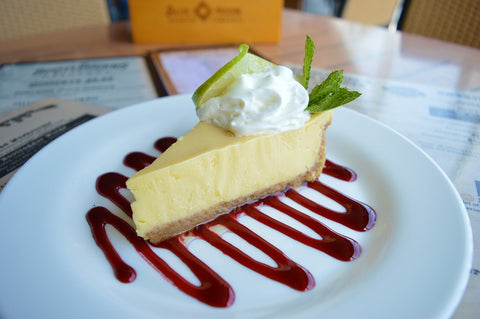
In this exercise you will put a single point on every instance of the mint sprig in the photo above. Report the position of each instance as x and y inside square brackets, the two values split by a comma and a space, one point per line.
[330, 84]
[307, 62]
[332, 100]
[328, 94]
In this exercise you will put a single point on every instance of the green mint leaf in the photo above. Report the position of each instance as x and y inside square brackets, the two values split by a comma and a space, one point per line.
[307, 62]
[330, 84]
[333, 100]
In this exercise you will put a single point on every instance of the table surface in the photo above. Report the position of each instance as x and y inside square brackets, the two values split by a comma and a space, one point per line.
[357, 49]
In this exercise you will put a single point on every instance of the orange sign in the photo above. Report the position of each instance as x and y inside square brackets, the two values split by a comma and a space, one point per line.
[205, 21]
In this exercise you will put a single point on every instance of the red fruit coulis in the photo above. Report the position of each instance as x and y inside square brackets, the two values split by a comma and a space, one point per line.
[213, 290]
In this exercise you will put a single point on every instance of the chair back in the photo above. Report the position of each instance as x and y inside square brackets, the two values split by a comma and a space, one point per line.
[450, 20]
[19, 18]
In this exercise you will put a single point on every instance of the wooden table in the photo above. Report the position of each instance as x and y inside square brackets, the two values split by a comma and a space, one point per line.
[357, 49]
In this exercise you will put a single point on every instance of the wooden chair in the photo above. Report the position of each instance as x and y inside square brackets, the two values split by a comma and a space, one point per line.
[449, 20]
[374, 12]
[19, 18]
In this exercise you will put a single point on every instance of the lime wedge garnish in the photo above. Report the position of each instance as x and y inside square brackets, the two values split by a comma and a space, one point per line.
[243, 63]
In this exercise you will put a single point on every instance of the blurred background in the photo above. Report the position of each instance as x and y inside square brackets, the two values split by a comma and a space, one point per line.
[454, 21]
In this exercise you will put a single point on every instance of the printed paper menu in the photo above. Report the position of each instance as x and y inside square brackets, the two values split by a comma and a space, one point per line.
[108, 82]
[24, 131]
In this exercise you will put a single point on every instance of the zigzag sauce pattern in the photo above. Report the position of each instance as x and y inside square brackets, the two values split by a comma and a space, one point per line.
[213, 289]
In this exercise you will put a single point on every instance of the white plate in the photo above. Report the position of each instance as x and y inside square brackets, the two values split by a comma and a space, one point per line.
[415, 261]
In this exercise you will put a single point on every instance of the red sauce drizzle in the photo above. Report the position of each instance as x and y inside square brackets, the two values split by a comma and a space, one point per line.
[108, 185]
[338, 171]
[287, 271]
[357, 216]
[331, 243]
[164, 143]
[214, 290]
[138, 160]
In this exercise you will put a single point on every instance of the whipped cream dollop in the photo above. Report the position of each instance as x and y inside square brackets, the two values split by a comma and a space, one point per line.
[267, 102]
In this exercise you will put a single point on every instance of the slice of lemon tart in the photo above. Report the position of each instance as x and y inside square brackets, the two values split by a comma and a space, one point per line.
[209, 171]
[257, 136]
